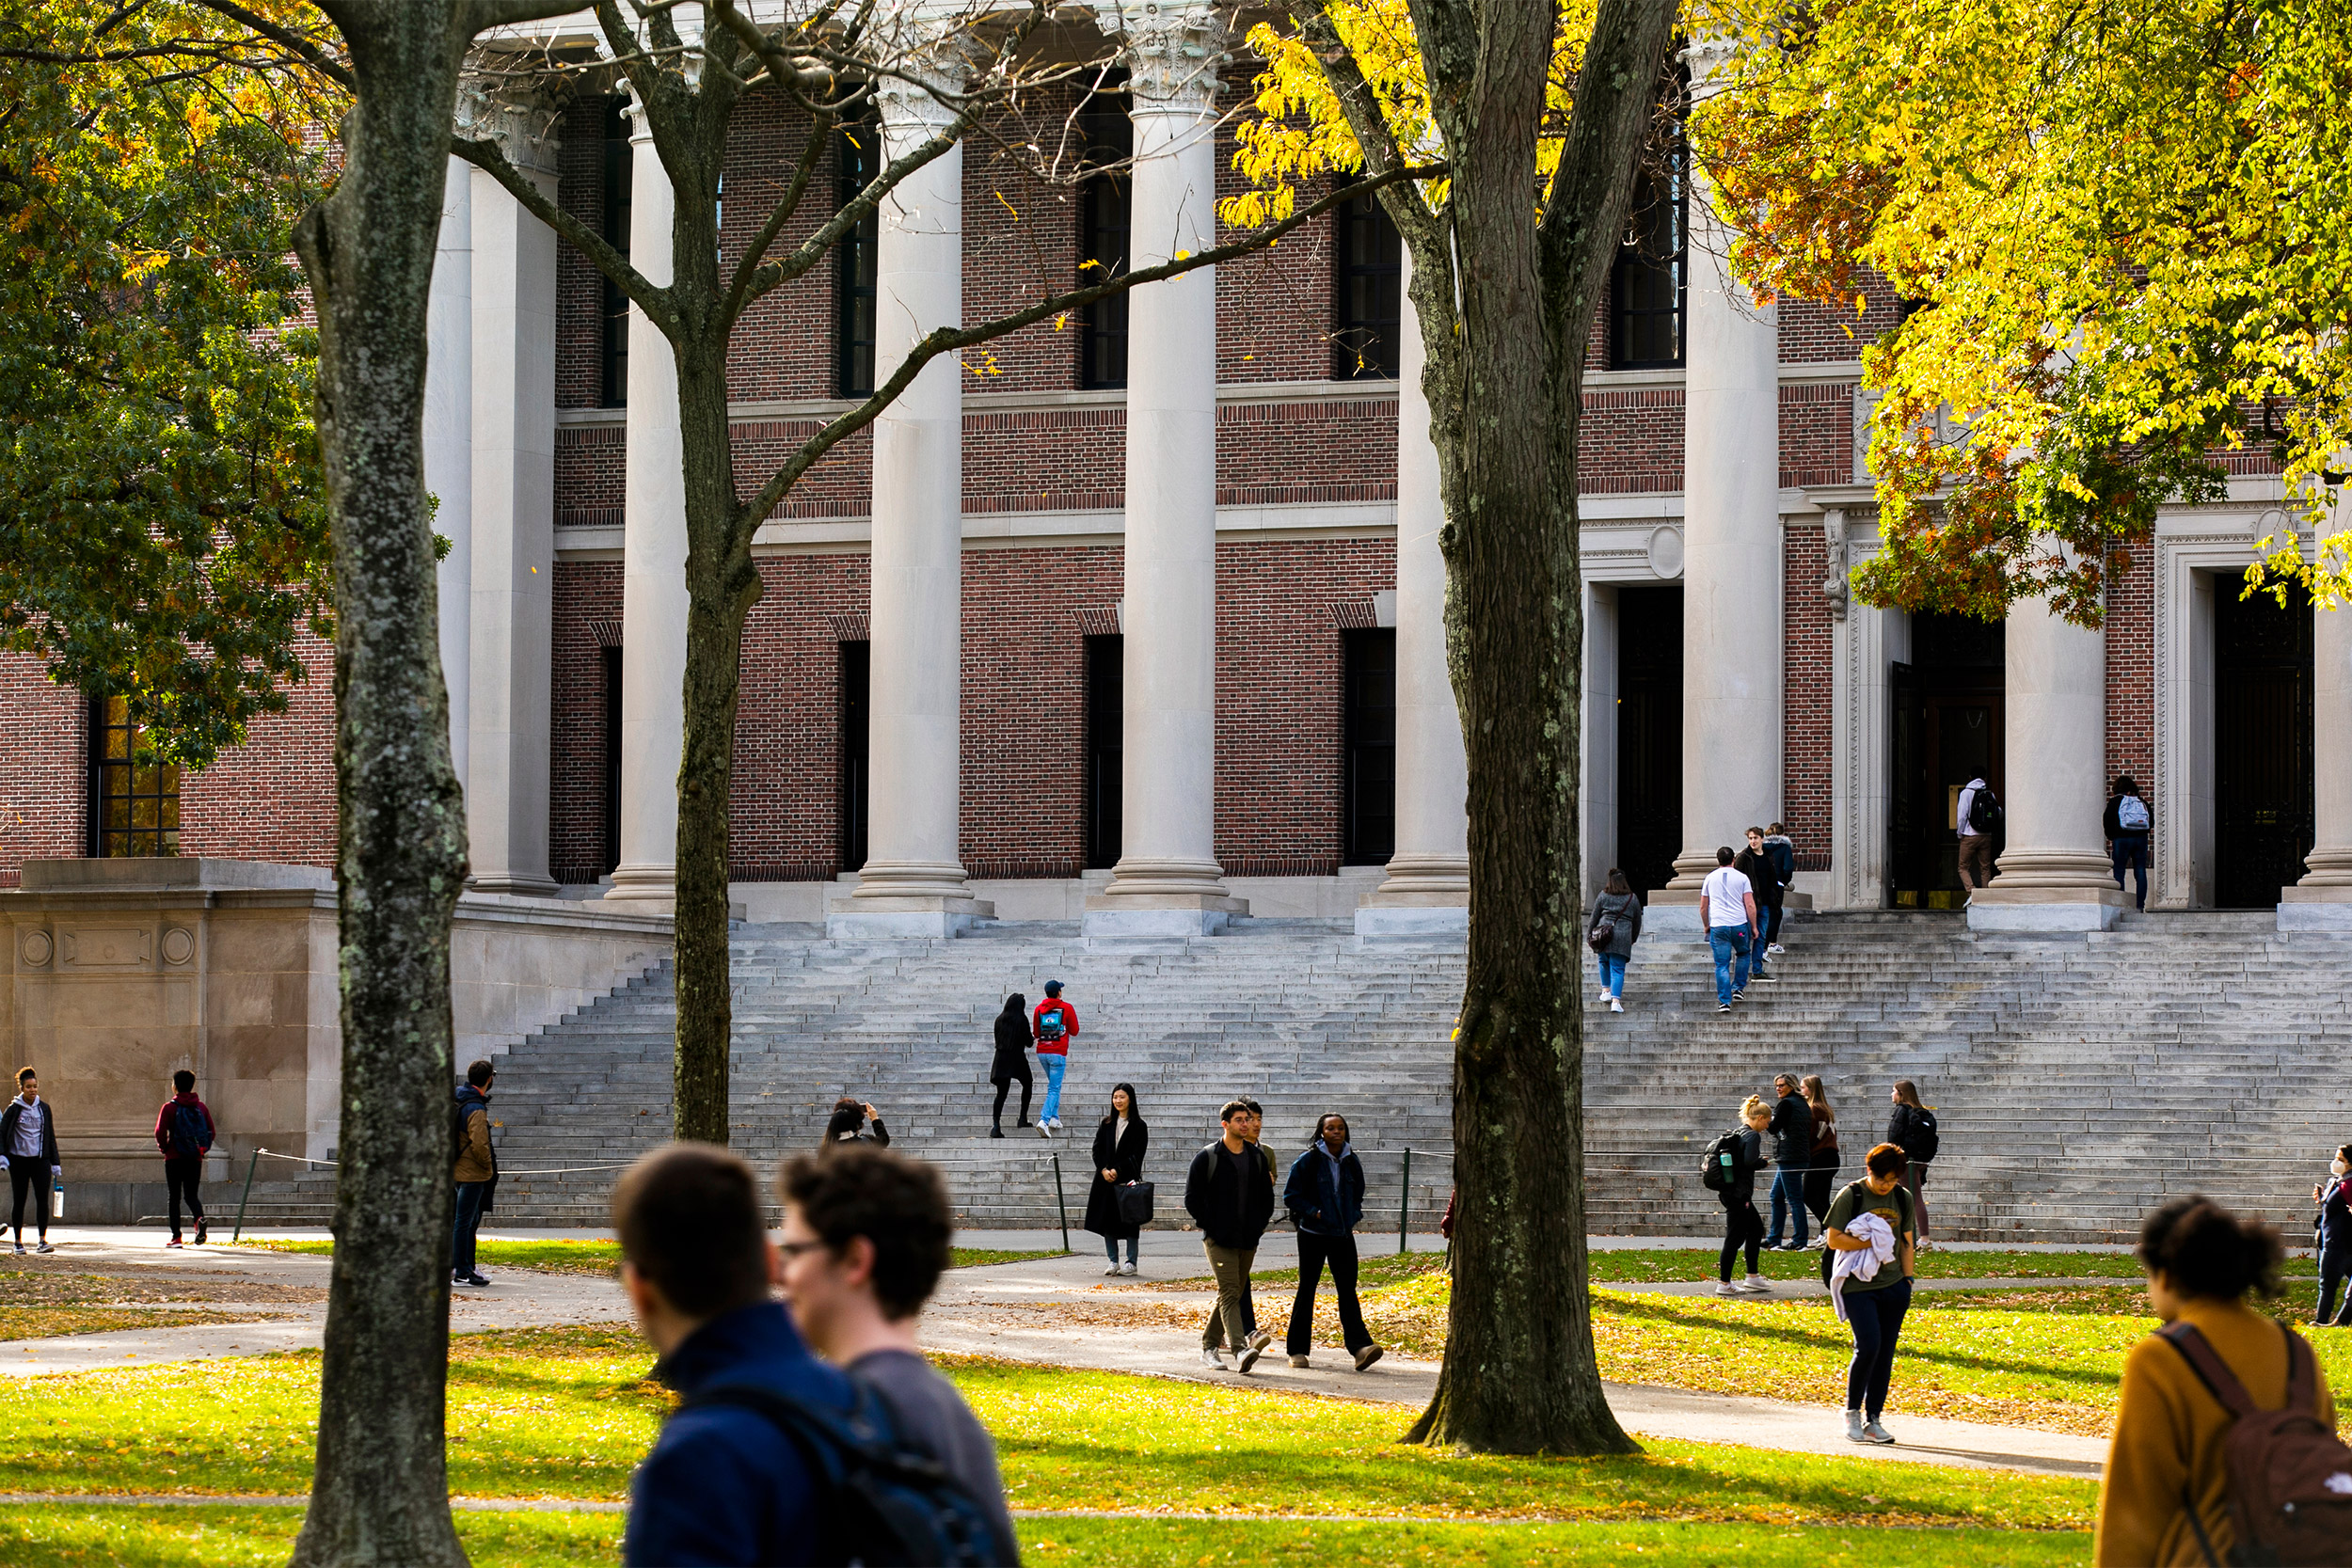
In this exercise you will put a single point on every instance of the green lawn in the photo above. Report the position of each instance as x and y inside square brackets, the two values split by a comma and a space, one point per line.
[556, 1254]
[1665, 1265]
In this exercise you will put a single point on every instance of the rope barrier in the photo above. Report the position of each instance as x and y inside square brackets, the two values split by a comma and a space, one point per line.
[551, 1170]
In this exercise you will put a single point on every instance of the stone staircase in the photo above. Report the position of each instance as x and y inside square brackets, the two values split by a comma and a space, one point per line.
[2079, 1081]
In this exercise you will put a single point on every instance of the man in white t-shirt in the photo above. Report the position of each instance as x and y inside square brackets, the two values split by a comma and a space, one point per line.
[1729, 901]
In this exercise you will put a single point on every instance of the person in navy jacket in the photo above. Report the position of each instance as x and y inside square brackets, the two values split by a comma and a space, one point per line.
[723, 1485]
[2332, 1239]
[1325, 1195]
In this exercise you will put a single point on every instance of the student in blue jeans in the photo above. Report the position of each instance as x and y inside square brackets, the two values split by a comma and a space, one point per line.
[1792, 1128]
[1728, 903]
[1051, 1026]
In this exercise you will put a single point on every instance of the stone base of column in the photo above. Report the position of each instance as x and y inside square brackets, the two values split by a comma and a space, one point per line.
[1424, 895]
[514, 886]
[904, 900]
[1157, 897]
[2048, 889]
[2322, 901]
[648, 889]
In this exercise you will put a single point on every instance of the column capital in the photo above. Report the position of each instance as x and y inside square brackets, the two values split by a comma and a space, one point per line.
[1173, 53]
[526, 122]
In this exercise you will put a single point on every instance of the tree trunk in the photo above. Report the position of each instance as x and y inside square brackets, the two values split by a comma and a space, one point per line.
[1505, 391]
[379, 1494]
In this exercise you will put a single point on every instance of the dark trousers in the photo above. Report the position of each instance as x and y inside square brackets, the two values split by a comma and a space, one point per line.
[1004, 1088]
[2335, 1269]
[1742, 1226]
[1919, 1173]
[471, 1196]
[182, 1172]
[28, 1174]
[2130, 852]
[1818, 1184]
[1771, 925]
[1876, 1318]
[1313, 1252]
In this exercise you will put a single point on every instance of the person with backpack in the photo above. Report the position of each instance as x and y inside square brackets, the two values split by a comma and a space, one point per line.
[1012, 1062]
[1729, 1170]
[1229, 1194]
[1824, 1174]
[476, 1170]
[28, 1137]
[865, 1243]
[2128, 823]
[1120, 1142]
[1784, 855]
[2225, 1446]
[1052, 1027]
[1792, 1127]
[1615, 926]
[183, 1132]
[1729, 905]
[1756, 864]
[1325, 1195]
[1911, 1129]
[2332, 1237]
[1875, 1307]
[1978, 818]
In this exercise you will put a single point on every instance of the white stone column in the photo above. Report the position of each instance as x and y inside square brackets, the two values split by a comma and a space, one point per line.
[1167, 880]
[2322, 901]
[512, 552]
[2054, 874]
[1732, 561]
[1427, 888]
[449, 444]
[653, 563]
[913, 883]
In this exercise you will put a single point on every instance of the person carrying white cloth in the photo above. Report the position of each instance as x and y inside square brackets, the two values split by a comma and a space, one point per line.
[1863, 1264]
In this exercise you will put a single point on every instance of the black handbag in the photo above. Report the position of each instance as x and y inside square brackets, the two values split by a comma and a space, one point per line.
[1135, 1203]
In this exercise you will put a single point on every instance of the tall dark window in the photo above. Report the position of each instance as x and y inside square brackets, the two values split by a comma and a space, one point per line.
[1649, 284]
[1106, 705]
[1105, 203]
[1368, 272]
[613, 355]
[609, 856]
[857, 667]
[1368, 747]
[858, 156]
[135, 800]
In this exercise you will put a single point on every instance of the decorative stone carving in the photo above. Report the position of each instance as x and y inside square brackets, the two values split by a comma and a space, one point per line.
[1834, 586]
[526, 124]
[37, 948]
[1665, 552]
[1173, 53]
[179, 944]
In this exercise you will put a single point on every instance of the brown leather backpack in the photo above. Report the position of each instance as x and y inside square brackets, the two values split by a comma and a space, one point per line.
[2289, 1485]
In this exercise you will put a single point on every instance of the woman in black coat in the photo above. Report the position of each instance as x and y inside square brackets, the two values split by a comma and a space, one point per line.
[1120, 1145]
[1012, 1061]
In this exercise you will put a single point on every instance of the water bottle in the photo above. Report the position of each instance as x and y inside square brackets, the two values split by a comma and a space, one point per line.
[56, 1199]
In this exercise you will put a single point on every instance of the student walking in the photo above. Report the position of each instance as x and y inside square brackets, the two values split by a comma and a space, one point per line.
[1784, 857]
[1911, 1129]
[1613, 930]
[1763, 877]
[1229, 1194]
[1732, 1162]
[1253, 1130]
[1792, 1127]
[2128, 824]
[29, 1132]
[1012, 1062]
[1978, 814]
[1120, 1141]
[1818, 1180]
[2188, 1454]
[476, 1171]
[2331, 1238]
[1325, 1195]
[1729, 904]
[865, 1238]
[853, 1121]
[1874, 1306]
[183, 1132]
[1052, 1027]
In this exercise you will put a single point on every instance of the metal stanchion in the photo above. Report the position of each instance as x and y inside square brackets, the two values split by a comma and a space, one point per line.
[1404, 1199]
[1061, 1201]
[249, 1166]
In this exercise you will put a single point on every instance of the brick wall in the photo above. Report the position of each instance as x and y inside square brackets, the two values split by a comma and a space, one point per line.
[1632, 442]
[785, 799]
[1807, 760]
[591, 473]
[44, 786]
[273, 799]
[2132, 672]
[1817, 435]
[1815, 331]
[587, 616]
[579, 286]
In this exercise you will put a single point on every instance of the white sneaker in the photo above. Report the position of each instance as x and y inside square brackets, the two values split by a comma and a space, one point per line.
[1126, 1268]
[1299, 1361]
[1616, 1006]
[1210, 1357]
[1045, 1129]
[1728, 1289]
[1776, 948]
[1756, 1285]
[1109, 1272]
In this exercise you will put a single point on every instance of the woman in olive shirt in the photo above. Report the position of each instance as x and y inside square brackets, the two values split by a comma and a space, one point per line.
[1875, 1307]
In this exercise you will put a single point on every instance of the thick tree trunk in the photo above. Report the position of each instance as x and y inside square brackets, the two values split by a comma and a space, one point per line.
[1504, 390]
[379, 1493]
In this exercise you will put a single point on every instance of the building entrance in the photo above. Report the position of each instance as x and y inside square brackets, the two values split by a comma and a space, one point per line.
[2262, 745]
[1948, 729]
[1649, 735]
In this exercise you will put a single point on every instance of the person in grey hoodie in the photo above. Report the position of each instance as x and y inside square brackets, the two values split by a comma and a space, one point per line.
[1616, 908]
[28, 1135]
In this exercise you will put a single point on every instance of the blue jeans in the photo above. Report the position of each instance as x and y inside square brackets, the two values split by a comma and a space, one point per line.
[1787, 1195]
[2130, 850]
[1876, 1318]
[1729, 975]
[1613, 975]
[1110, 1244]
[1054, 1067]
[469, 1197]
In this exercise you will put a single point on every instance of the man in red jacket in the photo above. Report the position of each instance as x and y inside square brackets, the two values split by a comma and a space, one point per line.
[183, 1131]
[1052, 1025]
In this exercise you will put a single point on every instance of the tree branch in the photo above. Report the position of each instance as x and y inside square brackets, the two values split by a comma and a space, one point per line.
[288, 38]
[655, 301]
[746, 269]
[853, 211]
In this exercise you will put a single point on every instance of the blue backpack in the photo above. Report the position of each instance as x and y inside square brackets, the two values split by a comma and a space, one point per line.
[187, 1131]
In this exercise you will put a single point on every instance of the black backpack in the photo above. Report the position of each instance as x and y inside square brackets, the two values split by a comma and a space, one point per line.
[1919, 1140]
[1721, 1169]
[880, 1503]
[187, 1131]
[1984, 811]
